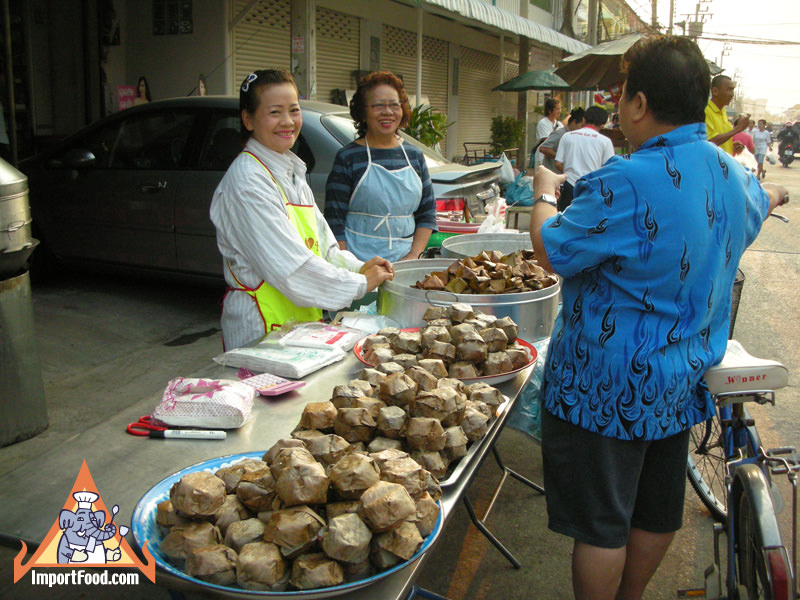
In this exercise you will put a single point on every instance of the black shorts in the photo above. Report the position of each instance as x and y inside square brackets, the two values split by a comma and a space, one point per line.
[597, 488]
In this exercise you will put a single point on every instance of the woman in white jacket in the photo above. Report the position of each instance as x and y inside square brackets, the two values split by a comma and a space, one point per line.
[281, 260]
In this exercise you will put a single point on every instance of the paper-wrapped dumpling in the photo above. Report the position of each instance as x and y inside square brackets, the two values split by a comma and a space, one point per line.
[198, 494]
[231, 511]
[183, 538]
[319, 416]
[402, 541]
[304, 483]
[347, 539]
[214, 564]
[311, 571]
[352, 474]
[294, 530]
[243, 532]
[385, 505]
[256, 490]
[261, 567]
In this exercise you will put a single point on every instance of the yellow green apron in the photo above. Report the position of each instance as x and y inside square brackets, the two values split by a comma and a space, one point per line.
[275, 308]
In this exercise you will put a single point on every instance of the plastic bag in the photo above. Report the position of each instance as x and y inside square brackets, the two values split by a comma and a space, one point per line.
[495, 221]
[520, 191]
[772, 158]
[506, 169]
[205, 403]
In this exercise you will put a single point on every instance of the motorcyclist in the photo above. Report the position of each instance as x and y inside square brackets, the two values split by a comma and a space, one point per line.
[789, 134]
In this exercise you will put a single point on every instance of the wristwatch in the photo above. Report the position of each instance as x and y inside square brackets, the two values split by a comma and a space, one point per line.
[547, 198]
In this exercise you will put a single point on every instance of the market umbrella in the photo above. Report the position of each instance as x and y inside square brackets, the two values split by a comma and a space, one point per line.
[533, 80]
[598, 66]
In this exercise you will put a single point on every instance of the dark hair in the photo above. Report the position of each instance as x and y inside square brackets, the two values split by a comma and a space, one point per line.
[719, 80]
[672, 74]
[146, 88]
[596, 115]
[250, 91]
[576, 114]
[550, 104]
[358, 103]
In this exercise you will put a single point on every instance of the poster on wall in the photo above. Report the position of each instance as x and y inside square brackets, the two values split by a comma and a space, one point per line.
[126, 94]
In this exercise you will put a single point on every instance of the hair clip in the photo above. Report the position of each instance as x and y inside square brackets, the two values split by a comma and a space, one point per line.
[250, 79]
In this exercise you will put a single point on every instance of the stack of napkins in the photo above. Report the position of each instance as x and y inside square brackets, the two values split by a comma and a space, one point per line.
[321, 335]
[294, 362]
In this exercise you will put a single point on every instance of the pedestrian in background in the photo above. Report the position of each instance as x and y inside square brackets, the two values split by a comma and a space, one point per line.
[549, 147]
[718, 127]
[762, 141]
[646, 302]
[582, 151]
[546, 125]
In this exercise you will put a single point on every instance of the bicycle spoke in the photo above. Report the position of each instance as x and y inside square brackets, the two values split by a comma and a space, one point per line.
[706, 467]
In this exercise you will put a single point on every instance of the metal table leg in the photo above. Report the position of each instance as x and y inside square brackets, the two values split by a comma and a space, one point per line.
[418, 592]
[479, 522]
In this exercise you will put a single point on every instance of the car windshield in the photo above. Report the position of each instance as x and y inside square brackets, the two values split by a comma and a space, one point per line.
[342, 128]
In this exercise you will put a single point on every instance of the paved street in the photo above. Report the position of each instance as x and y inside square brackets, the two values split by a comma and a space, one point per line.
[105, 343]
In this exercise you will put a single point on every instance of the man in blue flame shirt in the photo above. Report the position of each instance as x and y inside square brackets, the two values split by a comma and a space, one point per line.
[648, 253]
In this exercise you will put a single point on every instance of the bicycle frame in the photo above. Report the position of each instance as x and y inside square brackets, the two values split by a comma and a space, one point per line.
[748, 469]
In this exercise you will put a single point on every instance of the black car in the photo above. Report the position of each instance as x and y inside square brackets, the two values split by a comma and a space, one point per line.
[134, 189]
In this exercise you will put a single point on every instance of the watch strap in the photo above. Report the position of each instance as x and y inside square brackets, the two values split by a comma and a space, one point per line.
[547, 199]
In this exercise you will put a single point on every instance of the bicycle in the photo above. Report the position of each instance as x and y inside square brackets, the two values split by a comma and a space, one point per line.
[732, 474]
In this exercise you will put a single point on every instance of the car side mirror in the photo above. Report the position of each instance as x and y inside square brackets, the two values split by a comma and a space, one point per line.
[75, 158]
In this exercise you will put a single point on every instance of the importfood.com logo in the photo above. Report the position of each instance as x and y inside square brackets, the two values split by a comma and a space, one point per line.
[84, 534]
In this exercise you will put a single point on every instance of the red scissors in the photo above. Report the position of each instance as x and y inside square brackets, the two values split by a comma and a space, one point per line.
[145, 426]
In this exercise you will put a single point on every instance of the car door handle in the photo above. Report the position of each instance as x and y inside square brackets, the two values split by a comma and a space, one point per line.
[150, 188]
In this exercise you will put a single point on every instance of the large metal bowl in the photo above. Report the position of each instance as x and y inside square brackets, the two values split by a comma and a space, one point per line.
[472, 244]
[534, 312]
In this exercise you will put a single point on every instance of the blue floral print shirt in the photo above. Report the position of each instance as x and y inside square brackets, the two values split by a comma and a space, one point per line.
[648, 252]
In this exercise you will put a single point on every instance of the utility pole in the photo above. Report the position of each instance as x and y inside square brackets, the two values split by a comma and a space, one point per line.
[671, 15]
[654, 15]
[591, 26]
[696, 26]
[522, 97]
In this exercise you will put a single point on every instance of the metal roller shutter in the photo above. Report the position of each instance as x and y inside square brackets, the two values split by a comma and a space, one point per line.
[477, 104]
[399, 57]
[262, 39]
[510, 99]
[337, 52]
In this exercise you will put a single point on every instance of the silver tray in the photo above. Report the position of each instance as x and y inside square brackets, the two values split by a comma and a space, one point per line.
[146, 531]
[454, 475]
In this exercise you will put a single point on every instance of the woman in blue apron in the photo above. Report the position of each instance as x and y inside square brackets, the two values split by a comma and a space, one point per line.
[379, 197]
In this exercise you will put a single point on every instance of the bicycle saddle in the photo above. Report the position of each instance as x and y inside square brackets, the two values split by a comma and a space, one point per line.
[739, 371]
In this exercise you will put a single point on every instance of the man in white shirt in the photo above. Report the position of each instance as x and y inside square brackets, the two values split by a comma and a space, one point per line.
[582, 151]
[547, 125]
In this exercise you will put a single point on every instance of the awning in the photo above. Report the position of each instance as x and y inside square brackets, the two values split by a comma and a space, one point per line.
[506, 21]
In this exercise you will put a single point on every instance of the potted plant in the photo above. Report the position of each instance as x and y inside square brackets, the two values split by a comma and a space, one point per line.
[427, 125]
[507, 132]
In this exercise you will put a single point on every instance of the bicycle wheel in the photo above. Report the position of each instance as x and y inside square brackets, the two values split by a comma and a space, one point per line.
[706, 466]
[762, 563]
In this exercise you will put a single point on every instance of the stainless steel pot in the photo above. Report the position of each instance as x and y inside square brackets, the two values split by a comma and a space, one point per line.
[12, 262]
[15, 212]
[462, 246]
[534, 312]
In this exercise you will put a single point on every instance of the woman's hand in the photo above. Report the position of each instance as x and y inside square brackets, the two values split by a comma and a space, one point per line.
[377, 270]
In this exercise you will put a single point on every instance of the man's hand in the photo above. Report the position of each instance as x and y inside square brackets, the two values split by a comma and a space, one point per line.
[377, 270]
[778, 195]
[547, 182]
[741, 123]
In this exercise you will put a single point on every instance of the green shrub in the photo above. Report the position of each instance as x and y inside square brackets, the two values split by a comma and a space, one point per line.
[427, 125]
[507, 132]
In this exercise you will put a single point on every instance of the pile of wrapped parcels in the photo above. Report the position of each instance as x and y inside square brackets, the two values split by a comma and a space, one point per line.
[491, 272]
[305, 516]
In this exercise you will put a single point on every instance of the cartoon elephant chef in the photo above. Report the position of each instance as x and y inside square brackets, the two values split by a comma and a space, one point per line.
[84, 533]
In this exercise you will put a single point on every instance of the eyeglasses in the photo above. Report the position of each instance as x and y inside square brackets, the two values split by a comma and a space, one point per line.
[381, 106]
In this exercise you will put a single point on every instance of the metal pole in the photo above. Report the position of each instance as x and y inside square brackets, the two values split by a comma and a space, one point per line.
[12, 109]
[671, 15]
[419, 52]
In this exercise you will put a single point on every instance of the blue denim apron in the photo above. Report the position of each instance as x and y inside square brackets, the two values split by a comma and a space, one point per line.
[380, 221]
